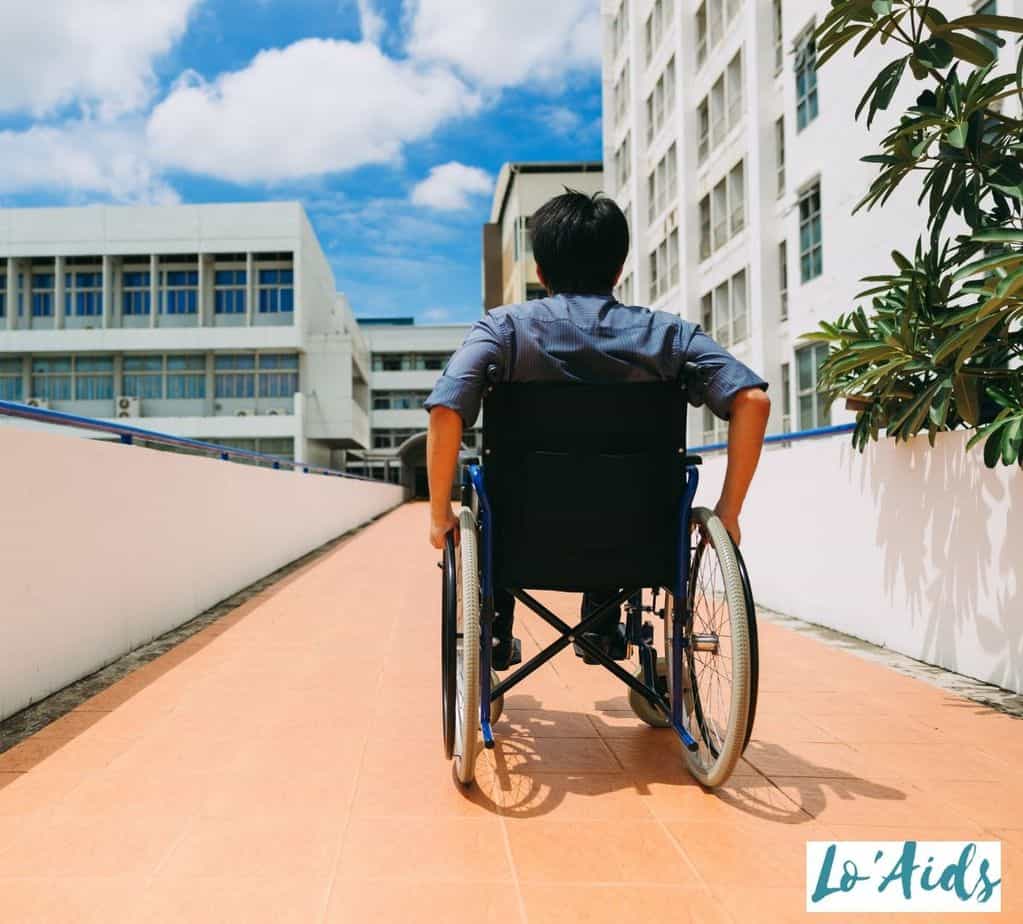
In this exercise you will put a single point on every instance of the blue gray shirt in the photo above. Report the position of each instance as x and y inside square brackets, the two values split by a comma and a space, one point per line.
[585, 338]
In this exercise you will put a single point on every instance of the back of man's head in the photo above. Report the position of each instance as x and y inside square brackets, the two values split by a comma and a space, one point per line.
[580, 242]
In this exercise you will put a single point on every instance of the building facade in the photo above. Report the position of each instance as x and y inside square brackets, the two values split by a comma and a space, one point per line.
[214, 322]
[509, 270]
[738, 167]
[406, 360]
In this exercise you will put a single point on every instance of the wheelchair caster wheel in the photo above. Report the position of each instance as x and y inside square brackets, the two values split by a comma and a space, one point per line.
[642, 707]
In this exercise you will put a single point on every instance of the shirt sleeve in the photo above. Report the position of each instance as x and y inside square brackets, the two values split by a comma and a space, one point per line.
[723, 375]
[464, 380]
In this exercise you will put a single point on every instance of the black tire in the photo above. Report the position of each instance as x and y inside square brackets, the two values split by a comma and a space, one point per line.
[754, 644]
[449, 644]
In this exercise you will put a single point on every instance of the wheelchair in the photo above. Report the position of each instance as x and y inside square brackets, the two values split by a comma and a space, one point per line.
[584, 486]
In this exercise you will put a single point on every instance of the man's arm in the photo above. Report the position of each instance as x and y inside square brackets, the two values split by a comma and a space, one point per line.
[746, 427]
[443, 441]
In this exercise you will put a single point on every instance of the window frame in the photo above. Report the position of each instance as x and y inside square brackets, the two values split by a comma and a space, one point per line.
[810, 220]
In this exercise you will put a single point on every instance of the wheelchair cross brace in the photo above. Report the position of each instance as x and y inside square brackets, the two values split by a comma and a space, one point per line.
[473, 476]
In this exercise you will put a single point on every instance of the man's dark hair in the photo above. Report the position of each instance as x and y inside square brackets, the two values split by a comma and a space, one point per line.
[580, 242]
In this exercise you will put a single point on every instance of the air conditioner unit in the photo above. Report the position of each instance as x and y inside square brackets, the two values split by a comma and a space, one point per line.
[274, 412]
[38, 402]
[127, 406]
[246, 412]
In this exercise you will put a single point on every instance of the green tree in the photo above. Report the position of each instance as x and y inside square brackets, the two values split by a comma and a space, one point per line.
[938, 342]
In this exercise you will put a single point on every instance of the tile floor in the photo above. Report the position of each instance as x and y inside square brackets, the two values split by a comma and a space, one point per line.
[285, 765]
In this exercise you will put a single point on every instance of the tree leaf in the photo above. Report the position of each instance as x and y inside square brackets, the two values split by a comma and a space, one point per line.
[964, 388]
[993, 447]
[957, 136]
[983, 21]
[1012, 441]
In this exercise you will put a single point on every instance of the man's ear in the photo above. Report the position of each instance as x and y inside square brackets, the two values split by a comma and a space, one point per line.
[618, 275]
[543, 282]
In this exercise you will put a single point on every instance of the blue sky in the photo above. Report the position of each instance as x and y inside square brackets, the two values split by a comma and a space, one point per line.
[388, 119]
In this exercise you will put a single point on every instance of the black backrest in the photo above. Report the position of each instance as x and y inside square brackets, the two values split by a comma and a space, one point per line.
[585, 483]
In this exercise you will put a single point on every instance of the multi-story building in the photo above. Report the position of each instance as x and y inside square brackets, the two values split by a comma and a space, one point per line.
[509, 270]
[738, 167]
[216, 322]
[406, 360]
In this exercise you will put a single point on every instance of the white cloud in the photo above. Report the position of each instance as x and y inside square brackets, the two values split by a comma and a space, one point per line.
[315, 107]
[82, 159]
[449, 186]
[372, 23]
[498, 43]
[99, 53]
[437, 315]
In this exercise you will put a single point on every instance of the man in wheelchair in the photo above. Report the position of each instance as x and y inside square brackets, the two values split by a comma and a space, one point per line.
[581, 333]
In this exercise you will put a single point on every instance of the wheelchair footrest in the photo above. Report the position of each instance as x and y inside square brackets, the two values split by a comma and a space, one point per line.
[514, 656]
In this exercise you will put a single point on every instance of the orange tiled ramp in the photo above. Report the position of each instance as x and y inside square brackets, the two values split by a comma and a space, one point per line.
[285, 765]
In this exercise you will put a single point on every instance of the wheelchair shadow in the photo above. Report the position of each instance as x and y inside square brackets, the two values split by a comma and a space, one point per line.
[635, 770]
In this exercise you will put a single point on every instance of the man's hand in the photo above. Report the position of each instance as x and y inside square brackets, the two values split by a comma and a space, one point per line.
[441, 525]
[730, 520]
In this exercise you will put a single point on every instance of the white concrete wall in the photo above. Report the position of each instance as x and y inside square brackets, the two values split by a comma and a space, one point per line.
[105, 547]
[916, 549]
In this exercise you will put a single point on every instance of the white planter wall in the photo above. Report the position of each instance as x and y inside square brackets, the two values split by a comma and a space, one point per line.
[913, 548]
[104, 547]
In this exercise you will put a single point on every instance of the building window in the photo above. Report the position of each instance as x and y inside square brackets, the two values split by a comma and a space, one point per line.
[716, 20]
[399, 400]
[703, 131]
[235, 375]
[662, 184]
[142, 377]
[619, 28]
[623, 161]
[718, 112]
[705, 245]
[740, 307]
[811, 251]
[10, 378]
[786, 398]
[180, 293]
[733, 79]
[724, 312]
[186, 377]
[276, 291]
[278, 375]
[229, 291]
[812, 406]
[655, 282]
[737, 198]
[84, 296]
[719, 201]
[779, 153]
[806, 79]
[3, 295]
[701, 35]
[42, 295]
[715, 430]
[656, 25]
[783, 281]
[673, 259]
[625, 290]
[136, 299]
[94, 378]
[622, 93]
[51, 378]
[779, 49]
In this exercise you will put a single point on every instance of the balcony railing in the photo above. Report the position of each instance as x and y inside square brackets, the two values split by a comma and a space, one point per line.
[775, 438]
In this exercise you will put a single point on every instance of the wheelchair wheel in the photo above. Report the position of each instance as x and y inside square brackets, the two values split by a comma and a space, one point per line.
[719, 675]
[640, 705]
[467, 651]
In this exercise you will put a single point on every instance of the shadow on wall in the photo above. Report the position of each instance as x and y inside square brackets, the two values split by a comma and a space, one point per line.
[941, 517]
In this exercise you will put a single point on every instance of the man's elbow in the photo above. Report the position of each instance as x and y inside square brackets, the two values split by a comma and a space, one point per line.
[752, 402]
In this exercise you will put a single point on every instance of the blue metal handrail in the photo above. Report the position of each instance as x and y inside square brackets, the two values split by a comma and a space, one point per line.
[786, 437]
[129, 435]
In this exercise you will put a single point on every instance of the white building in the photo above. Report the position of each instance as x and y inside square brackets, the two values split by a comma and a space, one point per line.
[738, 167]
[215, 322]
[406, 360]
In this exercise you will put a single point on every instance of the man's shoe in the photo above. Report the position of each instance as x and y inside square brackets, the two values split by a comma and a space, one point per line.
[506, 652]
[614, 645]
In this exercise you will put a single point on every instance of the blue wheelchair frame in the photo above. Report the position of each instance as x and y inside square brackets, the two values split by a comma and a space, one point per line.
[473, 481]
